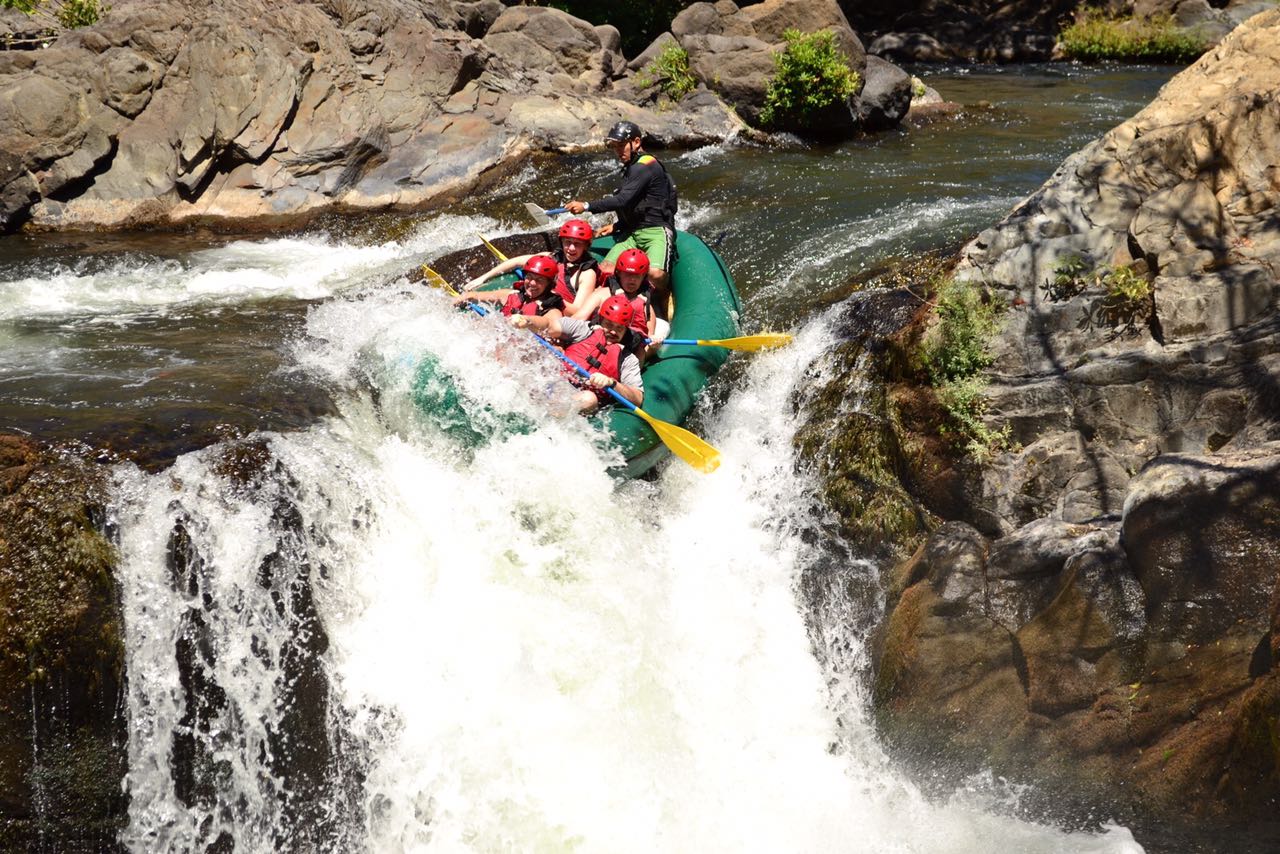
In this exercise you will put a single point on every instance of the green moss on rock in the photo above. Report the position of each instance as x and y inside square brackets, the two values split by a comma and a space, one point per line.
[61, 653]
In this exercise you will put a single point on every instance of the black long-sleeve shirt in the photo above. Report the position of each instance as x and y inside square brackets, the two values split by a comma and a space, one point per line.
[646, 198]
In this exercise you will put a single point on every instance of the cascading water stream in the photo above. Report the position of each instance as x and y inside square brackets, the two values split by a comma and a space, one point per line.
[370, 636]
[373, 624]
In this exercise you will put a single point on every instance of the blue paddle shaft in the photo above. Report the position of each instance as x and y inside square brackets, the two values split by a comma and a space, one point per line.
[554, 211]
[562, 357]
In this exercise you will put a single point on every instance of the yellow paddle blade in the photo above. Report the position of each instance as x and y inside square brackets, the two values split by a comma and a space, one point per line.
[435, 280]
[497, 253]
[683, 444]
[752, 343]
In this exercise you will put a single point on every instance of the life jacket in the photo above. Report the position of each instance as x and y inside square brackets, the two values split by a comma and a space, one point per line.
[659, 203]
[567, 274]
[595, 353]
[639, 304]
[517, 303]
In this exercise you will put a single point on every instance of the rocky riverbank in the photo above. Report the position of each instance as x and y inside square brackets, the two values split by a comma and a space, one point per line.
[1097, 609]
[171, 112]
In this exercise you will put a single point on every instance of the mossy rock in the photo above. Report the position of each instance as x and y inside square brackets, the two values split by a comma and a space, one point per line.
[61, 653]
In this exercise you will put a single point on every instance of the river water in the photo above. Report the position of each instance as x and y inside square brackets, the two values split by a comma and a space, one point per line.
[349, 630]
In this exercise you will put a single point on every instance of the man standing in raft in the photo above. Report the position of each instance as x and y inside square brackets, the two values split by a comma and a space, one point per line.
[646, 207]
[598, 350]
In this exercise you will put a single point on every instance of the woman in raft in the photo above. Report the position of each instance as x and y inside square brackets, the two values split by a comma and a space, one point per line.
[577, 272]
[598, 349]
[630, 280]
[534, 295]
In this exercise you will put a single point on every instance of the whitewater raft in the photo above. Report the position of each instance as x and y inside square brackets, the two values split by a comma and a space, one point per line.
[706, 307]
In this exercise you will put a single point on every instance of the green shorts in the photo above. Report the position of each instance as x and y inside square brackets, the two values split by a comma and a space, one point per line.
[658, 242]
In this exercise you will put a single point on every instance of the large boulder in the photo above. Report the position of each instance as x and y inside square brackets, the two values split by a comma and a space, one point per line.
[885, 97]
[1120, 564]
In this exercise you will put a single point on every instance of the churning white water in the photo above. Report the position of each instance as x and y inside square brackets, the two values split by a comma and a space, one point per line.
[377, 635]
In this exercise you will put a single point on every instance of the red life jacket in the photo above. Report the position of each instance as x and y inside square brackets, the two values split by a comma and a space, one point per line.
[595, 353]
[517, 304]
[567, 274]
[639, 305]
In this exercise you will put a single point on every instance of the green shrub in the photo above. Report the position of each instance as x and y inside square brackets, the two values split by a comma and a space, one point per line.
[1071, 275]
[918, 89]
[670, 70]
[1095, 37]
[68, 13]
[79, 13]
[966, 404]
[1128, 285]
[955, 352]
[957, 347]
[809, 75]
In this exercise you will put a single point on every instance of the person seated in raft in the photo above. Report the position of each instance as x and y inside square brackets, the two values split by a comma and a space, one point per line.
[597, 349]
[577, 273]
[629, 279]
[535, 295]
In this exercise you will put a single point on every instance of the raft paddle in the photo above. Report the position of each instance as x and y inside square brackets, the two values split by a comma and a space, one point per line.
[745, 343]
[540, 216]
[497, 253]
[682, 443]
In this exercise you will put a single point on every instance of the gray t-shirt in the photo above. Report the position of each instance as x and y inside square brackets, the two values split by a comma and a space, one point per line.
[574, 331]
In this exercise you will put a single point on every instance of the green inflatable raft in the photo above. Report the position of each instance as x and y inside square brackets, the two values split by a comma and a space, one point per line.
[706, 307]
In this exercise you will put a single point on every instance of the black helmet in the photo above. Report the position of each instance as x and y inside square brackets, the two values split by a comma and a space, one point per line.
[623, 131]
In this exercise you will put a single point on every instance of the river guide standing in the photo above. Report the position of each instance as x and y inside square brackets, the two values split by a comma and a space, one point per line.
[646, 207]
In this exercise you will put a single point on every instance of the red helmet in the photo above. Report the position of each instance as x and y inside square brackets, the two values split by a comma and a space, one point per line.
[579, 229]
[633, 261]
[618, 309]
[542, 265]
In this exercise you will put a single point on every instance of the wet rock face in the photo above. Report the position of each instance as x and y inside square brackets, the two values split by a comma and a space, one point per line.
[62, 739]
[272, 111]
[850, 433]
[1107, 628]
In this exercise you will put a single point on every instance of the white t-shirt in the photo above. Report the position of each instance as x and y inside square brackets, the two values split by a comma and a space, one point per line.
[629, 368]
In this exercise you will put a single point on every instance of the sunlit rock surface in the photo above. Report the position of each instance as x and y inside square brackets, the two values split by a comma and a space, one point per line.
[1101, 618]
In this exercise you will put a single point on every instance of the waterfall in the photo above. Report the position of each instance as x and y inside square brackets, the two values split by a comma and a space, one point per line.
[386, 634]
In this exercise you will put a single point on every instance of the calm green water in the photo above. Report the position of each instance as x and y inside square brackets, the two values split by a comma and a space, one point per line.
[154, 344]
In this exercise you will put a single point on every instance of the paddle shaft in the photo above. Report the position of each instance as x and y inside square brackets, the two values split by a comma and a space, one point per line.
[561, 356]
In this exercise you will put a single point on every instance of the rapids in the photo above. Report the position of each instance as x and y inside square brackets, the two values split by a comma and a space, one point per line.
[348, 630]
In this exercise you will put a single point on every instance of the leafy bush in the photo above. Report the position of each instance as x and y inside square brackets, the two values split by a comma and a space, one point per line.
[1095, 37]
[670, 70]
[957, 347]
[68, 13]
[1127, 284]
[1071, 275]
[966, 404]
[79, 13]
[809, 75]
[955, 353]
